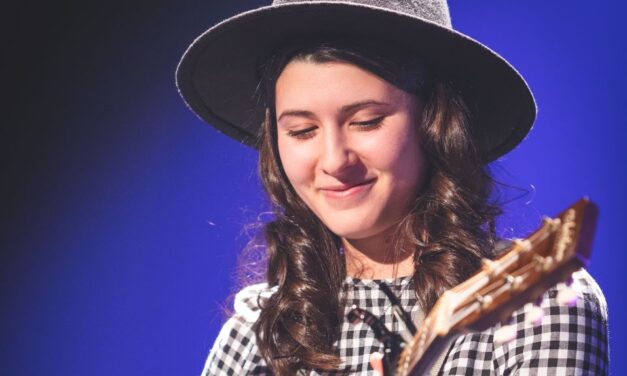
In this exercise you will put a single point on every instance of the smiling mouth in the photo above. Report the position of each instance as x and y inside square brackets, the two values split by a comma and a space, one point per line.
[347, 190]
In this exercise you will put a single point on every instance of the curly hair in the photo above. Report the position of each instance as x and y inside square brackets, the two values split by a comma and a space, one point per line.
[449, 229]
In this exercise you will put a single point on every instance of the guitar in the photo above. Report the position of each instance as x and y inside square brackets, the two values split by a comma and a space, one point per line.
[522, 274]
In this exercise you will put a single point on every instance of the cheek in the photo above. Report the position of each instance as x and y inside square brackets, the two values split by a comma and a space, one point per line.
[397, 151]
[297, 161]
[413, 162]
[405, 161]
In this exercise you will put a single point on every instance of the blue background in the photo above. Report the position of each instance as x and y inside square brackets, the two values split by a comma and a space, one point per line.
[122, 214]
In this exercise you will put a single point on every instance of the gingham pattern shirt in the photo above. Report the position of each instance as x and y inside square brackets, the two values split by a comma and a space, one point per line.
[569, 341]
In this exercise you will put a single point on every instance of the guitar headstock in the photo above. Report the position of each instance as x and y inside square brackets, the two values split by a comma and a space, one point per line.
[519, 275]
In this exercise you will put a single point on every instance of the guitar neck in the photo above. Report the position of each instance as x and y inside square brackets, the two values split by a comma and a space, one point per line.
[522, 274]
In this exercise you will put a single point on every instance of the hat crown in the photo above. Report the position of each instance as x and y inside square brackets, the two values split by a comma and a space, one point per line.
[219, 74]
[431, 10]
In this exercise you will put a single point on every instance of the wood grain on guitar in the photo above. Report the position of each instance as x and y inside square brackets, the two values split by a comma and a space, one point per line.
[521, 275]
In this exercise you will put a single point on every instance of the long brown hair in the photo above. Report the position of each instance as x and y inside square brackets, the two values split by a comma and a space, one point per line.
[450, 227]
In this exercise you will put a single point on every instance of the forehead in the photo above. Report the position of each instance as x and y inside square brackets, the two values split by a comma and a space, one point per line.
[310, 85]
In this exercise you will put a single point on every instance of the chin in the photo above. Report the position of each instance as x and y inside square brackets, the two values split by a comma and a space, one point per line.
[354, 232]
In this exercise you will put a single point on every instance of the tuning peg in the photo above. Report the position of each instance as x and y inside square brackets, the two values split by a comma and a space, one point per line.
[524, 244]
[376, 362]
[505, 334]
[553, 223]
[513, 281]
[484, 300]
[534, 315]
[566, 296]
[543, 263]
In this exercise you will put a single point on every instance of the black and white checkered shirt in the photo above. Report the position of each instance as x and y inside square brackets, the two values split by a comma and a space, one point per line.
[569, 341]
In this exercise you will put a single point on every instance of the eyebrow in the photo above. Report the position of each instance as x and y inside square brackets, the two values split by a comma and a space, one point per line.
[343, 110]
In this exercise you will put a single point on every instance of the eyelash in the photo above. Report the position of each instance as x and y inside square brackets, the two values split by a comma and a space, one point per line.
[302, 134]
[370, 124]
[306, 133]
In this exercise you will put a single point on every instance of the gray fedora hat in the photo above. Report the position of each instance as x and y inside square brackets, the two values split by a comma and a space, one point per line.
[218, 74]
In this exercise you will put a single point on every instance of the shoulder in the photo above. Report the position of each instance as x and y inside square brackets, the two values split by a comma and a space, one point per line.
[250, 300]
[235, 350]
[590, 302]
[571, 334]
[569, 337]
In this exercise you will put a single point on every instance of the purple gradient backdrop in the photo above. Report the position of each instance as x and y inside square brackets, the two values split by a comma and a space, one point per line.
[122, 214]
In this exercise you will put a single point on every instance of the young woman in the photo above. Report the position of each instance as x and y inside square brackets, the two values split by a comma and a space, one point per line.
[375, 125]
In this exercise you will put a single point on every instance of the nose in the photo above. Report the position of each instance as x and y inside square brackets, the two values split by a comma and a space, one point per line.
[336, 156]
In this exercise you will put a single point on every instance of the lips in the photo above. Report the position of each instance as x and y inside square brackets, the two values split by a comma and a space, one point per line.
[347, 190]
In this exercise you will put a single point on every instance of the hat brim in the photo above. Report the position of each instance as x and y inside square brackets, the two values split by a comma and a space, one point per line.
[217, 75]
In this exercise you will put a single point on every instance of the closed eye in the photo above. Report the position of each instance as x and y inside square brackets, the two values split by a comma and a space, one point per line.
[369, 124]
[302, 134]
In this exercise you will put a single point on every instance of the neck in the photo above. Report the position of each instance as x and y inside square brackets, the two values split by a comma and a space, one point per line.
[376, 258]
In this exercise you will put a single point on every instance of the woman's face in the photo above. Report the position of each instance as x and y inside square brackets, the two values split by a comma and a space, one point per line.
[348, 143]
